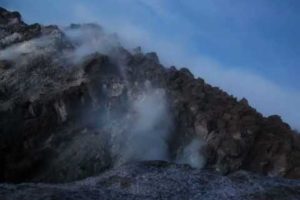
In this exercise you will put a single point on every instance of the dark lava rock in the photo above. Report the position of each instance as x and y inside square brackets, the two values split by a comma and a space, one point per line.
[160, 180]
[9, 18]
[60, 108]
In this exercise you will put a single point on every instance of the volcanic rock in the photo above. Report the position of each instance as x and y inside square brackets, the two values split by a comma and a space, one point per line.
[160, 180]
[62, 108]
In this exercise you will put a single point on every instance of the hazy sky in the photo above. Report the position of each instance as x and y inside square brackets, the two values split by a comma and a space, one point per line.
[249, 48]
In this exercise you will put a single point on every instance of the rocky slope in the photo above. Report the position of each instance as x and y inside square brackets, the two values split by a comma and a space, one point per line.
[160, 180]
[74, 103]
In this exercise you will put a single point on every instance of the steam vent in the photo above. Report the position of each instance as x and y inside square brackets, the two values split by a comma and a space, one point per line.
[82, 117]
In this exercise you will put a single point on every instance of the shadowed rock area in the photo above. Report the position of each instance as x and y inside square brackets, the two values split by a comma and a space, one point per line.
[74, 103]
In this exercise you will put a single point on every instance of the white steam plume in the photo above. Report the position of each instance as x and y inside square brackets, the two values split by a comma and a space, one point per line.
[148, 136]
[88, 39]
[191, 154]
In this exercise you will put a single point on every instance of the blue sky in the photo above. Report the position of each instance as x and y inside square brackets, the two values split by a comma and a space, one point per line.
[249, 48]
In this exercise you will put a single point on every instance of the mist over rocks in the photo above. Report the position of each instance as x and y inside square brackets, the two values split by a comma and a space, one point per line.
[75, 103]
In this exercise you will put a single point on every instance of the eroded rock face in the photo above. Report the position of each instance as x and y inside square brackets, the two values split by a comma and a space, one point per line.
[160, 180]
[68, 112]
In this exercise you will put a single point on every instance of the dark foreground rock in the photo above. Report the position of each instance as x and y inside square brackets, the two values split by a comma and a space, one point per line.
[160, 180]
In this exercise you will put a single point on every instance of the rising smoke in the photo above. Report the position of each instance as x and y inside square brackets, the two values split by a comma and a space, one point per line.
[191, 154]
[38, 46]
[148, 136]
[88, 39]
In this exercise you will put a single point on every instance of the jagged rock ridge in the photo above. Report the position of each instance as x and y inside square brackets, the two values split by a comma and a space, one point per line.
[67, 111]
